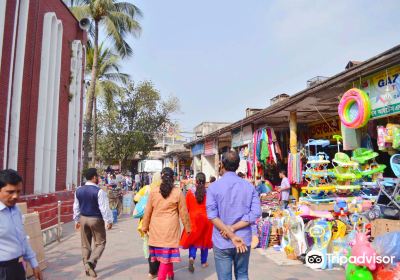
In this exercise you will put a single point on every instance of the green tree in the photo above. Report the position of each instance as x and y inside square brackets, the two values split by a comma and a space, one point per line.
[110, 84]
[118, 19]
[132, 129]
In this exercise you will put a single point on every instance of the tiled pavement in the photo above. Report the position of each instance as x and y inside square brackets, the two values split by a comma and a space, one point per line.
[123, 259]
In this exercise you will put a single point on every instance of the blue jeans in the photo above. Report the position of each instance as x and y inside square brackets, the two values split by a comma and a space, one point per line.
[204, 254]
[223, 263]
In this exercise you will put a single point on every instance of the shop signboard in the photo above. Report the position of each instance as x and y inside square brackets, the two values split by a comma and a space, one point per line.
[210, 147]
[383, 89]
[198, 149]
[325, 130]
[242, 136]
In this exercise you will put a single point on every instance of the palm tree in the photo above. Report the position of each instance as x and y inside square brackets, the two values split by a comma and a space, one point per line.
[110, 83]
[118, 19]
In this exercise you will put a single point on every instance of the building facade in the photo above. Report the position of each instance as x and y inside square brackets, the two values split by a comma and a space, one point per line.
[42, 62]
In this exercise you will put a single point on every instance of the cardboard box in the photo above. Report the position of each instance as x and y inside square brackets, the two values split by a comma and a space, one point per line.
[34, 233]
[23, 207]
[382, 226]
[322, 207]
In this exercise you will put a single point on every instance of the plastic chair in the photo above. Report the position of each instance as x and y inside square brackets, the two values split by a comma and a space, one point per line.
[390, 189]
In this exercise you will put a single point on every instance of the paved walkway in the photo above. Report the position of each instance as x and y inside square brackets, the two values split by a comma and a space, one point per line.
[123, 259]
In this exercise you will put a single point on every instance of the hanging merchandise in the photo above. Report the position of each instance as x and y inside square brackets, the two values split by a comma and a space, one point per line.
[295, 168]
[382, 132]
[350, 139]
[355, 108]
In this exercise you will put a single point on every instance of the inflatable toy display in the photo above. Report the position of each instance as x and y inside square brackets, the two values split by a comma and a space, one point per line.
[355, 108]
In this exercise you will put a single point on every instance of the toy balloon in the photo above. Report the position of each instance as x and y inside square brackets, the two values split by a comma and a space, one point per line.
[362, 253]
[354, 272]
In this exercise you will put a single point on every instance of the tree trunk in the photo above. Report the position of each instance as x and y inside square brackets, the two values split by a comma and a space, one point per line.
[94, 139]
[89, 99]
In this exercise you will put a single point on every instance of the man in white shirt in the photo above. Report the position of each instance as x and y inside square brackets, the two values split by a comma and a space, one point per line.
[284, 189]
[92, 215]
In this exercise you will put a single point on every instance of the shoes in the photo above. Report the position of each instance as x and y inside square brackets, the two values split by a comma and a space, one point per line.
[254, 242]
[151, 276]
[89, 268]
[204, 265]
[191, 265]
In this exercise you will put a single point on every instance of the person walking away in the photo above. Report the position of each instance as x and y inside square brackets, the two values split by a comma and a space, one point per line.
[137, 182]
[284, 189]
[201, 234]
[153, 266]
[14, 245]
[165, 206]
[233, 206]
[91, 215]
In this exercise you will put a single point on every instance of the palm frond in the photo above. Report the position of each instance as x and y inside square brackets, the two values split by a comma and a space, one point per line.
[129, 9]
[116, 35]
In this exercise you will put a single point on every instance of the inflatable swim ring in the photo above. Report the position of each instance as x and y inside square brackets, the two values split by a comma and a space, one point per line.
[355, 108]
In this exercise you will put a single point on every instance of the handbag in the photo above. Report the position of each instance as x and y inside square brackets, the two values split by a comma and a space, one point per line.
[140, 207]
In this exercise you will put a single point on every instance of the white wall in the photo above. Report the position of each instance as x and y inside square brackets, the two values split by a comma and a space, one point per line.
[47, 117]
[74, 114]
[208, 166]
[17, 84]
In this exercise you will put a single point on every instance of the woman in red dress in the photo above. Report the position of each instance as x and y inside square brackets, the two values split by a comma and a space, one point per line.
[201, 234]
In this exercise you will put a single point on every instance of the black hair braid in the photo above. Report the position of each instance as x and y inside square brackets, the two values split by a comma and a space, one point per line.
[200, 187]
[167, 182]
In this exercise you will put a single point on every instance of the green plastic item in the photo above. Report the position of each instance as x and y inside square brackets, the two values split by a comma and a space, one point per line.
[343, 159]
[362, 155]
[354, 272]
[379, 169]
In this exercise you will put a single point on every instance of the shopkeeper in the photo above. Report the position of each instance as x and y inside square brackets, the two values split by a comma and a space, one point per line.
[284, 189]
[13, 241]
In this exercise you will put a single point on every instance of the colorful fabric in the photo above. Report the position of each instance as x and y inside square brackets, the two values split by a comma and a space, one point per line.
[164, 255]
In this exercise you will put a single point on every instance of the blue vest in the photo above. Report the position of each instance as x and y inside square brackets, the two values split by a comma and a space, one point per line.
[88, 198]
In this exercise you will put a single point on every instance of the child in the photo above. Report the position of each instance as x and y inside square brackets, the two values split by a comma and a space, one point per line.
[284, 189]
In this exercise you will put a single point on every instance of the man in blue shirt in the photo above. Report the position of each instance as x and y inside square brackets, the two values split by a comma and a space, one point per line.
[14, 244]
[232, 206]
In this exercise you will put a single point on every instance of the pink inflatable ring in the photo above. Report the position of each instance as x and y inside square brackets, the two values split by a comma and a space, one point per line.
[355, 108]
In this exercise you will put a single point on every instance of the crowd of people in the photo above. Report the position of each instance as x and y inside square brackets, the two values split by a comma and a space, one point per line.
[219, 215]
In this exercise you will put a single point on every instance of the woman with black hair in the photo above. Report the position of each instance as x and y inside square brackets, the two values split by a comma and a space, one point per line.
[165, 206]
[202, 228]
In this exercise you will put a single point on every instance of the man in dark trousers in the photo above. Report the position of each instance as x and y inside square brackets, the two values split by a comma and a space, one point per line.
[92, 215]
[14, 245]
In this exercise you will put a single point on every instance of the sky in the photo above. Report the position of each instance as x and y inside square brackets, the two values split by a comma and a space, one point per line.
[220, 57]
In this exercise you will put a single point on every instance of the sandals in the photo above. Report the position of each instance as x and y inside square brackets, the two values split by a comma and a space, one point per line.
[191, 266]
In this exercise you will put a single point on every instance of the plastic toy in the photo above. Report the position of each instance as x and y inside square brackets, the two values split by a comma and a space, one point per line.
[355, 108]
[354, 272]
[340, 248]
[382, 132]
[297, 234]
[386, 273]
[317, 174]
[338, 229]
[306, 212]
[340, 208]
[361, 248]
[320, 231]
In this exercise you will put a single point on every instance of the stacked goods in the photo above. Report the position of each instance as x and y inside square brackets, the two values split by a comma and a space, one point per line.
[34, 233]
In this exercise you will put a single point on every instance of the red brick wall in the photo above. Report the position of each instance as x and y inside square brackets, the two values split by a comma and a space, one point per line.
[71, 32]
[5, 71]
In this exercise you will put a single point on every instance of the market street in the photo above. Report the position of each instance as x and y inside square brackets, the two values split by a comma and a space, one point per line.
[123, 259]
